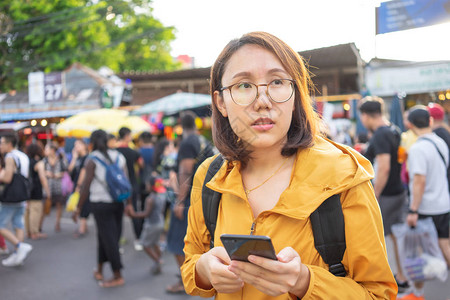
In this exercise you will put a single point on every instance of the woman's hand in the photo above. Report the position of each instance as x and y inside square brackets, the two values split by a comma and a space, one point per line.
[212, 270]
[274, 278]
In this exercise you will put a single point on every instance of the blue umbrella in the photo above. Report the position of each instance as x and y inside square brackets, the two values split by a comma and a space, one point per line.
[174, 103]
[397, 113]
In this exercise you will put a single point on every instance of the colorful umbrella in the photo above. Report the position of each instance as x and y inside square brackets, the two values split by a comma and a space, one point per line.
[83, 124]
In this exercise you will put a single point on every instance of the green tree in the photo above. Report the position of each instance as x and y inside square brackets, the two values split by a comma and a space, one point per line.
[50, 35]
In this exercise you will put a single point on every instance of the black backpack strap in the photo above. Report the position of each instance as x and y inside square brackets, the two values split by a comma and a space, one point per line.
[329, 234]
[211, 199]
[440, 154]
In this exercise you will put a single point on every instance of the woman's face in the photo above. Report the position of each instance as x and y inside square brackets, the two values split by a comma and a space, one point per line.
[48, 150]
[263, 124]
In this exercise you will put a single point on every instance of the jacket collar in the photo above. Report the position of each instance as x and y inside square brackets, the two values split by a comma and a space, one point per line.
[319, 172]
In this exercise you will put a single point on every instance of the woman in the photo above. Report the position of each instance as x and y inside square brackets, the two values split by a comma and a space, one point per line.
[55, 167]
[76, 170]
[278, 171]
[107, 213]
[35, 207]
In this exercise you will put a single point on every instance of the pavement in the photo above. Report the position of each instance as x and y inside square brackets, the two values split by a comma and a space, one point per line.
[61, 267]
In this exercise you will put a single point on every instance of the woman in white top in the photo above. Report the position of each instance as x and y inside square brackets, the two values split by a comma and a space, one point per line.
[107, 213]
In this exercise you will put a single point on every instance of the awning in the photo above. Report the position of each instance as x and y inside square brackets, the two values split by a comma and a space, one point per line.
[4, 117]
[13, 126]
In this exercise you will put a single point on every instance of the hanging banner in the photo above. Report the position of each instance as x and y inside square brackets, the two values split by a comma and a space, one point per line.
[36, 93]
[400, 15]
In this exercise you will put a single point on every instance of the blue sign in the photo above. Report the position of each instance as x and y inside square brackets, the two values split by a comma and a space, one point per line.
[399, 15]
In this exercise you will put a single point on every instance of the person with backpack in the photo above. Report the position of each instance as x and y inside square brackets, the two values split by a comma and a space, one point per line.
[277, 172]
[105, 177]
[428, 162]
[13, 200]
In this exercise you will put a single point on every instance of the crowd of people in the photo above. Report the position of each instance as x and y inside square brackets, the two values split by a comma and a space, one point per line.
[152, 166]
[276, 170]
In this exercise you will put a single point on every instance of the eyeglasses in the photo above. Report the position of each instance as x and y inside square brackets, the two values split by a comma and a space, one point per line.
[245, 93]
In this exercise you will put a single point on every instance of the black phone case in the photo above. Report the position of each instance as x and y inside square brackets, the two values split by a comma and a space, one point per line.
[239, 247]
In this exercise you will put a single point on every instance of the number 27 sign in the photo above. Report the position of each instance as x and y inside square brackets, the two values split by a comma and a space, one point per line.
[52, 86]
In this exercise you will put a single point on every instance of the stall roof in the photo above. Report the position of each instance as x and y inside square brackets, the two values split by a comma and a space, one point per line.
[13, 126]
[38, 114]
[334, 56]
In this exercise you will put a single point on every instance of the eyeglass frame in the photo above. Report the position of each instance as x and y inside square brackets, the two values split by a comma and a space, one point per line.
[257, 90]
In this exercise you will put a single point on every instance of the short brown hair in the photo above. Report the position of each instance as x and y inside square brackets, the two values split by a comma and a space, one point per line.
[304, 125]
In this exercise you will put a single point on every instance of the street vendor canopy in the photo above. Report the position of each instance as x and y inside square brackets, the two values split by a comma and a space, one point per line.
[174, 103]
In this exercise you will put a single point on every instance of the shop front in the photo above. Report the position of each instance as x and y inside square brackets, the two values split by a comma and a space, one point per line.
[413, 82]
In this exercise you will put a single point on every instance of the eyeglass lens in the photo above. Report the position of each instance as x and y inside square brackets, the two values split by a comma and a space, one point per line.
[279, 90]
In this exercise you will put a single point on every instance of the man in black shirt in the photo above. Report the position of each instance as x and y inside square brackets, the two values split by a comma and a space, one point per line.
[383, 154]
[132, 158]
[193, 150]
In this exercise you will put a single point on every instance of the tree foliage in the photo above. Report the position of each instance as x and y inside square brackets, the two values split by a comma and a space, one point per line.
[50, 35]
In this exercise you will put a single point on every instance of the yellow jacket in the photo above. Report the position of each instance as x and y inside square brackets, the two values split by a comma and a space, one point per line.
[319, 172]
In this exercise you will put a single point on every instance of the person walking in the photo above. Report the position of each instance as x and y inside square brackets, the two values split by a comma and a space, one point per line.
[39, 188]
[76, 170]
[55, 166]
[153, 224]
[146, 151]
[382, 152]
[193, 150]
[134, 161]
[277, 171]
[108, 213]
[15, 162]
[428, 160]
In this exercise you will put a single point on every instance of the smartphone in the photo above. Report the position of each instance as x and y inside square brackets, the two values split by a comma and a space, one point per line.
[239, 247]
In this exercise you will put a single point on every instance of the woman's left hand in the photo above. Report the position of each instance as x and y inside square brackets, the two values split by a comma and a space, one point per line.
[275, 277]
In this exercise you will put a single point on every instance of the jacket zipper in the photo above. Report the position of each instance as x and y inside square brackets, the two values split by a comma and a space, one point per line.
[252, 229]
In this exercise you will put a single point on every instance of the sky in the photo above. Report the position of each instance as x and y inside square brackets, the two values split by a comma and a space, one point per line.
[204, 27]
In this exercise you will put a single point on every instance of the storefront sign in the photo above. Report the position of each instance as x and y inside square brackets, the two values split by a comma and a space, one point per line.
[44, 87]
[412, 79]
[399, 15]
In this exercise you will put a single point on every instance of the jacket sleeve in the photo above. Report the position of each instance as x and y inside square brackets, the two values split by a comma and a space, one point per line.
[368, 273]
[196, 241]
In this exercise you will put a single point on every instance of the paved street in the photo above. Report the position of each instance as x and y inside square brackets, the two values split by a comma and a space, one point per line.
[61, 268]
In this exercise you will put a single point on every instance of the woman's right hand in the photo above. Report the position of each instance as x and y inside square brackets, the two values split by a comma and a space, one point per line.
[212, 271]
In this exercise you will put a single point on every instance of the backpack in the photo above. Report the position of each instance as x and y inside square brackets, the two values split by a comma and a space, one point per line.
[327, 222]
[118, 185]
[443, 159]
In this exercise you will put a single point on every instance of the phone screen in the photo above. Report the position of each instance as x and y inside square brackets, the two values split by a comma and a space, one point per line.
[239, 247]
